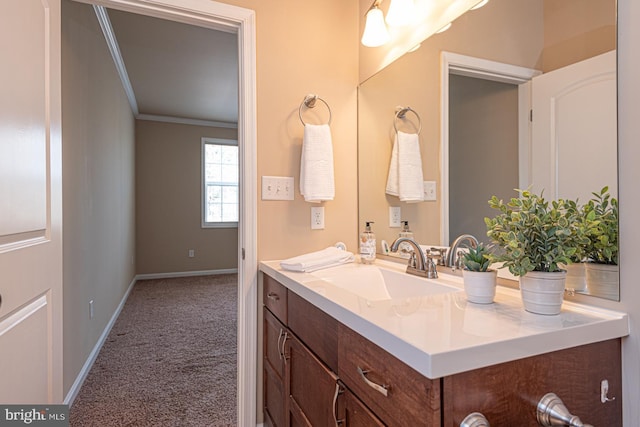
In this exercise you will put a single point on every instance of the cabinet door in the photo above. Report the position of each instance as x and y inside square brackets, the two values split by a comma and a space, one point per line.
[274, 393]
[312, 388]
[507, 394]
[356, 414]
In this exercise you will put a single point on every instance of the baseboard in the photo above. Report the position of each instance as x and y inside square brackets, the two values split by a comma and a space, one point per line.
[82, 375]
[185, 274]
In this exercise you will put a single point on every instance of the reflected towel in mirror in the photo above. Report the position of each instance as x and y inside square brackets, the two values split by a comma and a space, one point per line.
[329, 257]
[316, 164]
[405, 178]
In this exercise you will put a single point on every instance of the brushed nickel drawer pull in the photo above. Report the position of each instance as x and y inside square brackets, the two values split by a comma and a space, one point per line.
[279, 348]
[273, 296]
[285, 337]
[339, 391]
[382, 389]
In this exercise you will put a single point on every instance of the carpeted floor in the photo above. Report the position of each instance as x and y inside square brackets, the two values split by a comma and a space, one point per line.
[170, 359]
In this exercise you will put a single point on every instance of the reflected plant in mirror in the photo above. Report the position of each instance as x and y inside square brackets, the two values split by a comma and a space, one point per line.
[481, 125]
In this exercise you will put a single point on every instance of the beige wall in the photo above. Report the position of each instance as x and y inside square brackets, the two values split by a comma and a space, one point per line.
[98, 196]
[168, 202]
[305, 47]
[576, 30]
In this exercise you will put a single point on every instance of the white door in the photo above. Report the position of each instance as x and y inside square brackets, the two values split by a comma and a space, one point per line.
[574, 130]
[30, 203]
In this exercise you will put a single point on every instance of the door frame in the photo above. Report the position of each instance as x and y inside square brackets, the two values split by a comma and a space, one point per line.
[241, 21]
[462, 65]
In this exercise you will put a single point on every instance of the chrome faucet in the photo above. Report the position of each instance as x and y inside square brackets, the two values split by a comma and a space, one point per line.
[419, 265]
[452, 256]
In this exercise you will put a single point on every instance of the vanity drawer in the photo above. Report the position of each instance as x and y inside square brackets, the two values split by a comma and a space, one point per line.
[396, 393]
[315, 328]
[275, 297]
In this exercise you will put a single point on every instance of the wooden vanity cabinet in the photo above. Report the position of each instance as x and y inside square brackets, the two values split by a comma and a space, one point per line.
[316, 368]
[507, 394]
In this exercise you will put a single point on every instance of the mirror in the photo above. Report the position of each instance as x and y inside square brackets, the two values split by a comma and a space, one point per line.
[470, 146]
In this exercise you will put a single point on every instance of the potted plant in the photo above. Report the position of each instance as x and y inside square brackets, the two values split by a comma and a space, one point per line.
[600, 225]
[536, 237]
[479, 280]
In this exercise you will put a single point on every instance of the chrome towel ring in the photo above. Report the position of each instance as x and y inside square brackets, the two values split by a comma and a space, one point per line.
[401, 113]
[309, 101]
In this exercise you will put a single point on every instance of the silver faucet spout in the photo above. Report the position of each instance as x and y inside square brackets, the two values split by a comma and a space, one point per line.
[451, 256]
[423, 266]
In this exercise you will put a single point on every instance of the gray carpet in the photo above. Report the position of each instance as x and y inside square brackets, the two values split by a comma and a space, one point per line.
[170, 359]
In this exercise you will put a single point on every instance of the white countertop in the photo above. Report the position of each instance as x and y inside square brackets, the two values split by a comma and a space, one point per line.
[443, 334]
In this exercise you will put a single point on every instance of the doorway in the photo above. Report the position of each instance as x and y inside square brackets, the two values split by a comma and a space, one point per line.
[240, 21]
[454, 65]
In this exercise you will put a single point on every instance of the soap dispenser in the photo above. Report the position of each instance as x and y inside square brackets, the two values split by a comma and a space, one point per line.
[405, 230]
[405, 248]
[367, 245]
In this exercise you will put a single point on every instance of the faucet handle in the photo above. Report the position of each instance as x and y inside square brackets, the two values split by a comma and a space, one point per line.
[432, 271]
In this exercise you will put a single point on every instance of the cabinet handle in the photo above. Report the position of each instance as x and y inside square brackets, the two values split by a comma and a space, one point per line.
[475, 419]
[273, 296]
[285, 336]
[382, 389]
[552, 412]
[335, 409]
[279, 348]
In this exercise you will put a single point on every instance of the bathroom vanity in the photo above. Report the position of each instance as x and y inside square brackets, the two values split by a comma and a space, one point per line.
[370, 346]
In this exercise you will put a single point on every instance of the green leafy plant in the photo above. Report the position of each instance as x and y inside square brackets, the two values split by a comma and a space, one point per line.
[535, 234]
[599, 223]
[477, 259]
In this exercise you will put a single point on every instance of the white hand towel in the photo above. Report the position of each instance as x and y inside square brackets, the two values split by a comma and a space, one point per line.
[329, 257]
[316, 164]
[405, 178]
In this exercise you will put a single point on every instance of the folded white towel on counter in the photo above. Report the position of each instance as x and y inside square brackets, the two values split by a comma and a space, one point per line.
[405, 178]
[329, 257]
[316, 164]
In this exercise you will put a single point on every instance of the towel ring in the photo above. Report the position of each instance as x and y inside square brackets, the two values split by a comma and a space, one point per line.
[401, 112]
[309, 101]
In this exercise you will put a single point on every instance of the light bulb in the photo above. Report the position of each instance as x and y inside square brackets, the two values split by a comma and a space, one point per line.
[375, 31]
[401, 12]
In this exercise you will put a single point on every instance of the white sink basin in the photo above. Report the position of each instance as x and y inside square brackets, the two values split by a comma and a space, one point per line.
[377, 284]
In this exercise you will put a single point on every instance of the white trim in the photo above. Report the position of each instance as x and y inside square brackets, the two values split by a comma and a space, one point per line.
[82, 375]
[184, 121]
[453, 63]
[114, 48]
[233, 19]
[174, 274]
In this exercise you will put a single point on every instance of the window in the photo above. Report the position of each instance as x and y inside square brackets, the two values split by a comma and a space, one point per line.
[220, 198]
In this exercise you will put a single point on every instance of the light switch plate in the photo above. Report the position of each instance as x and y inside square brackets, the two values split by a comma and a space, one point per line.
[277, 188]
[429, 190]
[395, 215]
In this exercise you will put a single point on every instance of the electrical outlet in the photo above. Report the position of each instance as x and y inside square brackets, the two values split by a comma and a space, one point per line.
[317, 218]
[91, 309]
[192, 253]
[429, 190]
[277, 188]
[395, 213]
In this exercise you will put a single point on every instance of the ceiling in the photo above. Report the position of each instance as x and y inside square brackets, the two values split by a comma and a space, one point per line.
[173, 71]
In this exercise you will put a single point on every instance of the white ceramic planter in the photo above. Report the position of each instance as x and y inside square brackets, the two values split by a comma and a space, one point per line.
[480, 286]
[543, 292]
[603, 280]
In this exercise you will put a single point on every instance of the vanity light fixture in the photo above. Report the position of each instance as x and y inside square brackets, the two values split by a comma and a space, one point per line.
[401, 12]
[479, 5]
[375, 31]
[445, 28]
